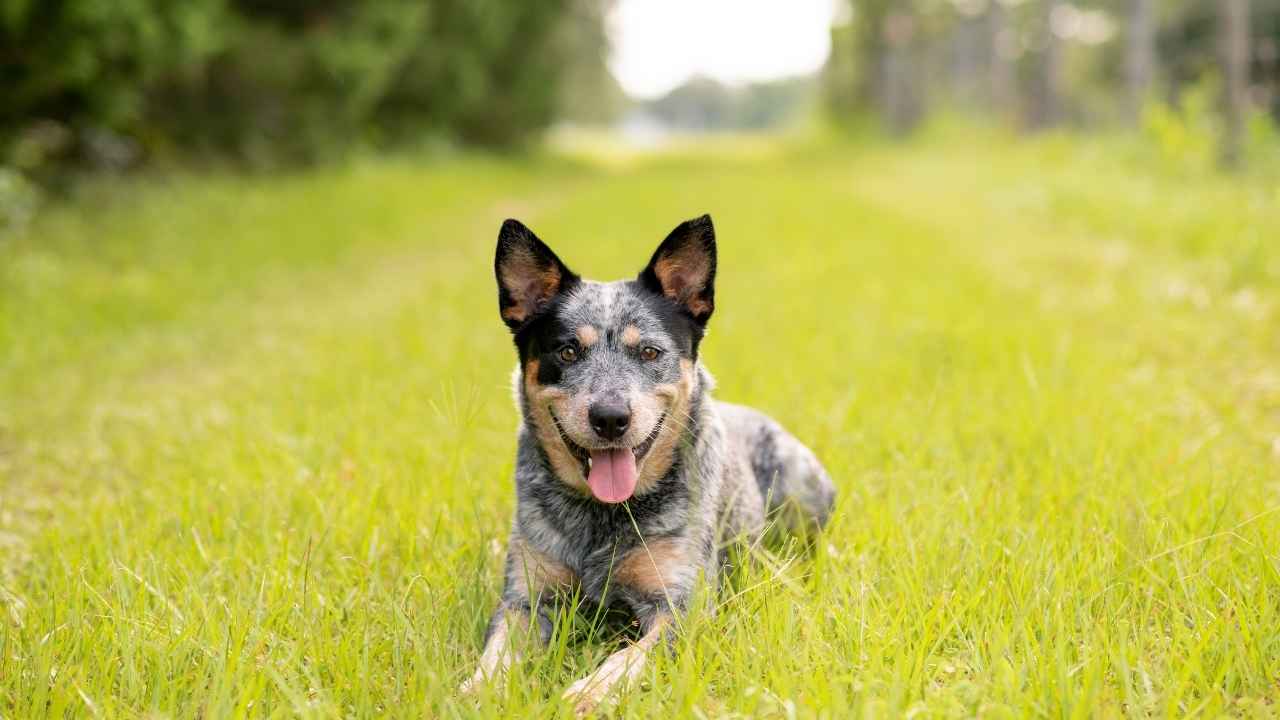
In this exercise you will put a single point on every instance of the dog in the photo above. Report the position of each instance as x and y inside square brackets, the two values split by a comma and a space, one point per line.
[631, 481]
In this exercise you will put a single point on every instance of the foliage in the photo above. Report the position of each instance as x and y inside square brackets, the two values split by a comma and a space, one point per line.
[948, 54]
[590, 95]
[93, 61]
[705, 104]
[281, 79]
[1185, 135]
[256, 435]
[491, 75]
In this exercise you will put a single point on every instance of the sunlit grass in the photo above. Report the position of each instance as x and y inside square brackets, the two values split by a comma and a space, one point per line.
[256, 436]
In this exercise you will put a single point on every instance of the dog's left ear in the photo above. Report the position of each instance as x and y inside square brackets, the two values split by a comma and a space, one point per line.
[684, 268]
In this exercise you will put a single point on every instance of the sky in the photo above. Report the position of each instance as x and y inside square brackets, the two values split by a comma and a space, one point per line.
[658, 44]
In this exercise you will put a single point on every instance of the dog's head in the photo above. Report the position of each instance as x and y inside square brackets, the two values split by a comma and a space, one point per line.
[607, 370]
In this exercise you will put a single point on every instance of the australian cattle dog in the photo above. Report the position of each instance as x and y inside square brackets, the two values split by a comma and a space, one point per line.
[630, 480]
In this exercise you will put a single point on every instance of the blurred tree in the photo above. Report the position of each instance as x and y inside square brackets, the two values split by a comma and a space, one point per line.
[1140, 58]
[705, 104]
[1046, 97]
[294, 82]
[899, 84]
[487, 71]
[589, 95]
[87, 63]
[1002, 50]
[842, 78]
[273, 80]
[965, 47]
[876, 65]
[700, 103]
[1234, 39]
[1052, 62]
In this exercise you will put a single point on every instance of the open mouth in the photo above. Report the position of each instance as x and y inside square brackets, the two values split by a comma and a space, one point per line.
[583, 455]
[612, 473]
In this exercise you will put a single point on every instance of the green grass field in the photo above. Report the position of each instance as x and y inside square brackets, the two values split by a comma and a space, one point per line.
[256, 435]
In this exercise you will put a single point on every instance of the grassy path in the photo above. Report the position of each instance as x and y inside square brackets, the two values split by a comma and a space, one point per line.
[255, 435]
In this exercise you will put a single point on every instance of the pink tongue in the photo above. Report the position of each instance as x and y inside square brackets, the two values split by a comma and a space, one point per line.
[613, 475]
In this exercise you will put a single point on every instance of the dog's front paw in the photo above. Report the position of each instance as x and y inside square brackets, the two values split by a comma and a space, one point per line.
[588, 693]
[473, 684]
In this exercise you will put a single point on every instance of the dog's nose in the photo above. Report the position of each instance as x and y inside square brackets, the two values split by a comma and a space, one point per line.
[610, 418]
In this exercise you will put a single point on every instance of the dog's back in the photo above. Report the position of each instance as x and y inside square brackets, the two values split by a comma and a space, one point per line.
[793, 485]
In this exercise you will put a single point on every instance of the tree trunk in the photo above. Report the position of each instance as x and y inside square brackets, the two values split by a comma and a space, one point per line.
[901, 101]
[1233, 31]
[1140, 58]
[1046, 103]
[966, 54]
[1000, 78]
[871, 45]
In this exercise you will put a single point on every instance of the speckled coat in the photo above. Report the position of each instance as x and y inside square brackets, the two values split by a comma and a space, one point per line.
[708, 473]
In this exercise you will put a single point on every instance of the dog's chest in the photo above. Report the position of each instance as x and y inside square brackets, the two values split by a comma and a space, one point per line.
[604, 547]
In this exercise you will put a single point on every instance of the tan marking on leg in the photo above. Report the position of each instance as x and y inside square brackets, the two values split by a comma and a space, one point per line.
[631, 336]
[535, 573]
[659, 458]
[499, 652]
[654, 566]
[617, 672]
[541, 398]
[587, 335]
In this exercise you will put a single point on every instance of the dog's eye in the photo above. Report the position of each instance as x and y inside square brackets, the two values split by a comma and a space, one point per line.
[649, 353]
[568, 353]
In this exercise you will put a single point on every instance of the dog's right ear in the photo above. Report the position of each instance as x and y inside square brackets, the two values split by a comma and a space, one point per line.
[529, 274]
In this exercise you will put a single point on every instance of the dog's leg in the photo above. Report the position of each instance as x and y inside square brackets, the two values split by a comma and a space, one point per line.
[532, 581]
[500, 649]
[620, 669]
[508, 636]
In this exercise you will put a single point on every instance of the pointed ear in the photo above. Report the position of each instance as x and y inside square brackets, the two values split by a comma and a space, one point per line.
[529, 274]
[684, 268]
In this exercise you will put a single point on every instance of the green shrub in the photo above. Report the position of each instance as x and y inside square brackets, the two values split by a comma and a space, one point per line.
[91, 63]
[277, 80]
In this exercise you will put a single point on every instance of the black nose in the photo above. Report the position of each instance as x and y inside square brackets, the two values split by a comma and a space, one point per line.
[610, 418]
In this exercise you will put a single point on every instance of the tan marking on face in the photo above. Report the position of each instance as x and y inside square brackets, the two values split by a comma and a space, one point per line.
[530, 282]
[631, 336]
[654, 566]
[542, 399]
[659, 458]
[587, 335]
[535, 573]
[618, 671]
[531, 374]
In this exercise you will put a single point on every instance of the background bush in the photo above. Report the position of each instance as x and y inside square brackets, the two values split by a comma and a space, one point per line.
[111, 82]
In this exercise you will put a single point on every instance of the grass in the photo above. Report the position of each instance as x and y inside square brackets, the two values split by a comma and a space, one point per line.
[256, 435]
